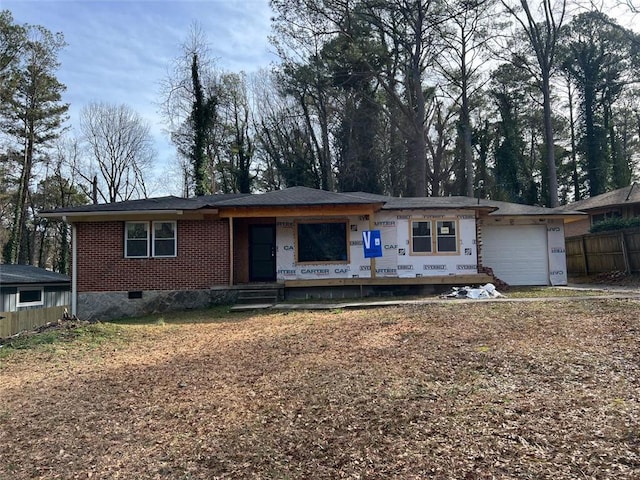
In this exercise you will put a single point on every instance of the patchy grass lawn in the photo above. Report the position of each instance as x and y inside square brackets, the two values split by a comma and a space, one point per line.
[552, 292]
[448, 391]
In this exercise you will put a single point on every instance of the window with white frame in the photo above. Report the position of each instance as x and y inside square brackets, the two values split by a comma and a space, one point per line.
[164, 239]
[30, 297]
[136, 239]
[150, 239]
[433, 237]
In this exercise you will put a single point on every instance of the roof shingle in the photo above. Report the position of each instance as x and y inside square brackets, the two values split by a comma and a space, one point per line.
[621, 196]
[28, 274]
[304, 196]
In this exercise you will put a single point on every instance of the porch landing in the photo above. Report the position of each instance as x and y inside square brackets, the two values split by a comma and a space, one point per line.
[469, 279]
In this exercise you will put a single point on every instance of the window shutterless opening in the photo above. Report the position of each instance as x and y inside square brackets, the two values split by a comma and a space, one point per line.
[322, 242]
[30, 297]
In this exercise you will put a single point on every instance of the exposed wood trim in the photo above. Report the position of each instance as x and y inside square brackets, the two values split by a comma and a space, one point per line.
[431, 280]
[372, 260]
[298, 211]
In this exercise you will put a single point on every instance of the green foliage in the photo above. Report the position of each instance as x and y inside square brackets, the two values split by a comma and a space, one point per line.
[91, 336]
[600, 57]
[615, 224]
[201, 118]
[31, 115]
[12, 41]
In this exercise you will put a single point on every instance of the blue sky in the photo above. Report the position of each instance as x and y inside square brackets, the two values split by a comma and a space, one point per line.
[119, 51]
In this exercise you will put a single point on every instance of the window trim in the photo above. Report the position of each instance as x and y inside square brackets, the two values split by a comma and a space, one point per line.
[126, 239]
[456, 236]
[150, 241]
[175, 239]
[411, 236]
[37, 303]
[344, 221]
[434, 236]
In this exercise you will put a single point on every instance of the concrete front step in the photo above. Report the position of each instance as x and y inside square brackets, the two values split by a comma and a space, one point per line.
[258, 296]
[261, 299]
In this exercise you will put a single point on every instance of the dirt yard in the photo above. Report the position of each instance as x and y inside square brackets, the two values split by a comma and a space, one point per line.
[545, 390]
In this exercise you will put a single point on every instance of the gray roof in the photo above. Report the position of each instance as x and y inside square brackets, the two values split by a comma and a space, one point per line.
[622, 196]
[151, 204]
[304, 196]
[508, 208]
[28, 274]
[496, 207]
[408, 203]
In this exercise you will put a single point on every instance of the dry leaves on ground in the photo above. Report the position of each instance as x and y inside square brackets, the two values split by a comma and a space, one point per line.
[493, 390]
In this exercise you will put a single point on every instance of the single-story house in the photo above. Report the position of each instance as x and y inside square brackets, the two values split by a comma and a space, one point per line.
[137, 256]
[621, 203]
[28, 288]
[25, 287]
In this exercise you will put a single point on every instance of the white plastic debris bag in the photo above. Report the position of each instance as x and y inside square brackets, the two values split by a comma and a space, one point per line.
[485, 291]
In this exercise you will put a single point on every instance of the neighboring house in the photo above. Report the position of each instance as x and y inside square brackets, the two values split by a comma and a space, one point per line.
[25, 287]
[138, 256]
[621, 203]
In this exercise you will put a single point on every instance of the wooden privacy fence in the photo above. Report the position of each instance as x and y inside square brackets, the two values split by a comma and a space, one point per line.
[604, 252]
[14, 322]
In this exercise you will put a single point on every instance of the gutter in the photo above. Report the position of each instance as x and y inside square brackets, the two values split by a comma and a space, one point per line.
[65, 215]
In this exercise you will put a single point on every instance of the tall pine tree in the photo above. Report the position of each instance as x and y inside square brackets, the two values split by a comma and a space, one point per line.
[32, 114]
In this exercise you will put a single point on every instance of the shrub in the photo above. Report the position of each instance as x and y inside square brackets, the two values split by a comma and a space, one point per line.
[615, 224]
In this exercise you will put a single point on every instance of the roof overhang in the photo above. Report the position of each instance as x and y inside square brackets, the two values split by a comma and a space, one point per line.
[88, 216]
[330, 210]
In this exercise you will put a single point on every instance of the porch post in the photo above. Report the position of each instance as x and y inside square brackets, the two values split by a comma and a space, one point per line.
[372, 260]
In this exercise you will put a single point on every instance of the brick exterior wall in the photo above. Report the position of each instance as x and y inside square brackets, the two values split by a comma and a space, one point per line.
[202, 259]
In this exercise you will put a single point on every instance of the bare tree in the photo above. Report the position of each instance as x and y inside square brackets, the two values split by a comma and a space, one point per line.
[543, 34]
[119, 152]
[466, 35]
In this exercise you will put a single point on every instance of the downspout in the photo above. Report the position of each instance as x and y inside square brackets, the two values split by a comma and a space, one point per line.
[231, 252]
[74, 271]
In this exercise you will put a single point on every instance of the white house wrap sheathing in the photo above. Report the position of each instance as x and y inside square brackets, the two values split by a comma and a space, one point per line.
[396, 260]
[526, 254]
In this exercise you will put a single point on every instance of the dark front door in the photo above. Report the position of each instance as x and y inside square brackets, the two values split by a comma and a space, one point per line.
[262, 253]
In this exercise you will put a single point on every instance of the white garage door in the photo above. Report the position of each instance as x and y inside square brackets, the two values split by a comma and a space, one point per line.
[517, 253]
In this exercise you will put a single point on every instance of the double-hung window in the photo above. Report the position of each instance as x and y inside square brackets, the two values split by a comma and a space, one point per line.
[447, 238]
[164, 239]
[421, 237]
[150, 239]
[434, 236]
[136, 239]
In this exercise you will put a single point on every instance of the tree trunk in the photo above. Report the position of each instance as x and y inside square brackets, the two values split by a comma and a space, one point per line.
[549, 141]
[574, 161]
[417, 158]
[13, 250]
